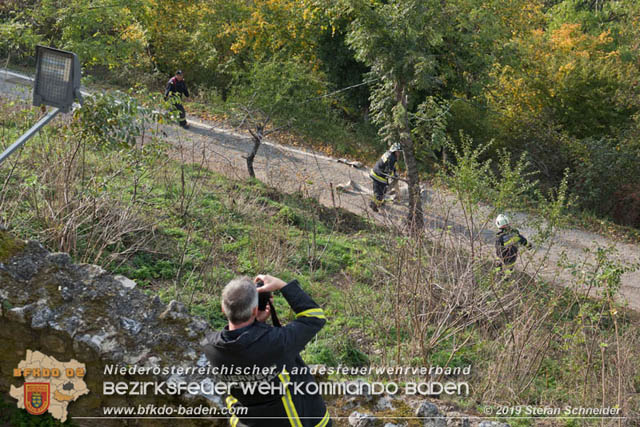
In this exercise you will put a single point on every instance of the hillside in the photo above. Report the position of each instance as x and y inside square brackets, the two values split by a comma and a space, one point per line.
[181, 231]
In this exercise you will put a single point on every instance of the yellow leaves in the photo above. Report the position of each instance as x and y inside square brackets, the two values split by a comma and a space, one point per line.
[567, 68]
[567, 37]
[271, 25]
[605, 37]
[570, 37]
[133, 32]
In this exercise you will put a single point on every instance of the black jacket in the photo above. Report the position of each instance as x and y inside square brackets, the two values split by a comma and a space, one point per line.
[385, 167]
[176, 86]
[277, 350]
[507, 242]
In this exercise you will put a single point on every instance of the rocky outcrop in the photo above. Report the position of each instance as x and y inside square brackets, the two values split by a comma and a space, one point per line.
[71, 311]
[80, 311]
[392, 411]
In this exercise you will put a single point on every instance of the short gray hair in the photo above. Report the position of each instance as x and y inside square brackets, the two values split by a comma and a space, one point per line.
[239, 297]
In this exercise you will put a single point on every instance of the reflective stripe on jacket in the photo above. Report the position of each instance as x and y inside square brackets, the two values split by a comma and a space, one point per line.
[276, 352]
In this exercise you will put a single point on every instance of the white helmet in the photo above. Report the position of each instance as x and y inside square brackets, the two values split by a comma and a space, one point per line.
[396, 147]
[502, 221]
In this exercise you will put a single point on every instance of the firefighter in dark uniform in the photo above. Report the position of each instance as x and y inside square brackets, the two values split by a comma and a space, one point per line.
[384, 169]
[253, 352]
[177, 86]
[507, 241]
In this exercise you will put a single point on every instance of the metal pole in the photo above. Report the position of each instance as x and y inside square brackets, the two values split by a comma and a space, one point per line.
[28, 134]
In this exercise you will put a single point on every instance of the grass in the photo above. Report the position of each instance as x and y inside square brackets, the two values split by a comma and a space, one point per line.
[185, 241]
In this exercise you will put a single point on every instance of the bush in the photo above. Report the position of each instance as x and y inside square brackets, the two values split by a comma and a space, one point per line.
[606, 178]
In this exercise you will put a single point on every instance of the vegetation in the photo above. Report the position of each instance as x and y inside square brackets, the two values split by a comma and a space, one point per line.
[182, 231]
[556, 80]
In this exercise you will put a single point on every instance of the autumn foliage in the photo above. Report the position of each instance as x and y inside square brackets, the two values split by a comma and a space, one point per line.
[555, 79]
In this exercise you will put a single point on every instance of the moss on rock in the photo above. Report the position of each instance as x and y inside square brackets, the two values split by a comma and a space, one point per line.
[9, 246]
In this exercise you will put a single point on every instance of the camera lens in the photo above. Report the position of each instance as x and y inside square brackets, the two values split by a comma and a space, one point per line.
[263, 297]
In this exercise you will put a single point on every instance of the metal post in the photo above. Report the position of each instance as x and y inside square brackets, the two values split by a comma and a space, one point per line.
[28, 134]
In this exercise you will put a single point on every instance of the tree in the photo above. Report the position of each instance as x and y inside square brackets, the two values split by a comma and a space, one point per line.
[398, 39]
[273, 95]
[104, 33]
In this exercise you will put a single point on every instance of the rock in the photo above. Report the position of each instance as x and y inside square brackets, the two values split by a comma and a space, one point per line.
[357, 419]
[358, 388]
[203, 361]
[199, 325]
[90, 271]
[84, 313]
[427, 409]
[70, 325]
[24, 270]
[125, 282]
[485, 423]
[457, 419]
[153, 362]
[60, 259]
[137, 358]
[67, 294]
[384, 404]
[431, 414]
[103, 343]
[132, 326]
[19, 314]
[350, 403]
[41, 316]
[175, 310]
[53, 343]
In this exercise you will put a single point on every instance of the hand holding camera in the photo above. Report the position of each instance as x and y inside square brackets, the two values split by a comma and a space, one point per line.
[271, 283]
[267, 284]
[263, 296]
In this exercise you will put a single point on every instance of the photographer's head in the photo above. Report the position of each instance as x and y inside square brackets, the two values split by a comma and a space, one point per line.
[240, 301]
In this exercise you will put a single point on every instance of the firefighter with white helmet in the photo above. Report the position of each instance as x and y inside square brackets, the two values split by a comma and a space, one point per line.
[382, 172]
[507, 241]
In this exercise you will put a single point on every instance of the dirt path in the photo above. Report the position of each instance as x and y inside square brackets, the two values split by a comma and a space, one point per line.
[316, 175]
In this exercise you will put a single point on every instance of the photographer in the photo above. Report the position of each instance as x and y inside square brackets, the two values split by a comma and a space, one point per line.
[248, 342]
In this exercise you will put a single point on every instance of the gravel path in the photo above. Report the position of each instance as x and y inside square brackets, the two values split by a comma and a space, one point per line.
[316, 175]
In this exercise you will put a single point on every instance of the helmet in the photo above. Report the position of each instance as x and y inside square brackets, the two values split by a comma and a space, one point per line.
[502, 221]
[396, 147]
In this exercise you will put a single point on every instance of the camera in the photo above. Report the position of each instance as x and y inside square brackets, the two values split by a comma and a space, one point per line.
[263, 297]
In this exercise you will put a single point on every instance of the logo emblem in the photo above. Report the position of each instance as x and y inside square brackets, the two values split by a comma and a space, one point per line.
[36, 398]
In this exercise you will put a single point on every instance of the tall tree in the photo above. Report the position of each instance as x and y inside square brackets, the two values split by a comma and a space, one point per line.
[398, 40]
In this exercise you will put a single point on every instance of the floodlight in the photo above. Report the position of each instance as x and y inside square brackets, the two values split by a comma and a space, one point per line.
[57, 84]
[57, 81]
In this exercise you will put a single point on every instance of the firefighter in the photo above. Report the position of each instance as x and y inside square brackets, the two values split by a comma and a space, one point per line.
[251, 351]
[382, 172]
[176, 86]
[507, 241]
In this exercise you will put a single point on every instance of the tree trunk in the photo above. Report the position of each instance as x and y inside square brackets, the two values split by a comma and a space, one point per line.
[257, 140]
[416, 215]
